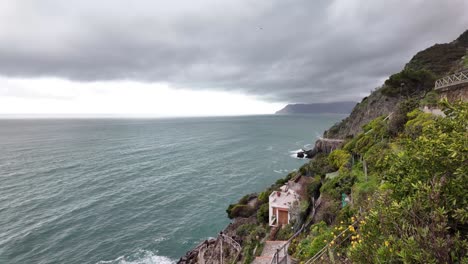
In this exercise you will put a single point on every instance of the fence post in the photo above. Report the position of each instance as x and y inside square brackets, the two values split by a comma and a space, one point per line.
[364, 164]
[285, 255]
[222, 260]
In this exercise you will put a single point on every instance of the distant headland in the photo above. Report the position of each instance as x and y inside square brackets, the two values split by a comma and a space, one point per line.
[318, 108]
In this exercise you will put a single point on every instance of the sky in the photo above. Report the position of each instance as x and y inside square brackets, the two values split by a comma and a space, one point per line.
[207, 57]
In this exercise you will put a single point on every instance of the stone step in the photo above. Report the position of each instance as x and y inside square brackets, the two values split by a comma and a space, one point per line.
[262, 260]
[269, 251]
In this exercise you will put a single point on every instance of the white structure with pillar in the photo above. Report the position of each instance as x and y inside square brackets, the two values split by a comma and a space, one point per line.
[280, 203]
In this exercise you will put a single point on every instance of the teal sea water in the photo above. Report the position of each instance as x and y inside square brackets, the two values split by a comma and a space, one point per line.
[135, 190]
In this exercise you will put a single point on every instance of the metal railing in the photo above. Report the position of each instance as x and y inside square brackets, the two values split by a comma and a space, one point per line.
[280, 259]
[231, 242]
[281, 254]
[322, 251]
[451, 80]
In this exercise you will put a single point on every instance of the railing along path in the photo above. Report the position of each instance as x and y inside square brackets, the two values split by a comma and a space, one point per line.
[452, 80]
[279, 258]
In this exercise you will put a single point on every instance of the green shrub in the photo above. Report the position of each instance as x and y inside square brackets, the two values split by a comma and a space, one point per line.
[375, 156]
[245, 229]
[263, 213]
[417, 121]
[263, 197]
[290, 175]
[363, 143]
[240, 210]
[408, 82]
[362, 190]
[320, 234]
[245, 199]
[313, 189]
[285, 232]
[421, 212]
[345, 214]
[329, 208]
[339, 158]
[281, 182]
[431, 99]
[304, 170]
[320, 165]
[299, 212]
[252, 236]
[338, 185]
[258, 232]
[399, 117]
[229, 209]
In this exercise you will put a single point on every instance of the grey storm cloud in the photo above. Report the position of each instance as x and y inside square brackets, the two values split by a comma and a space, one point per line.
[279, 50]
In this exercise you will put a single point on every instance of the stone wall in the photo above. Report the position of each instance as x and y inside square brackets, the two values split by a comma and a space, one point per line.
[455, 93]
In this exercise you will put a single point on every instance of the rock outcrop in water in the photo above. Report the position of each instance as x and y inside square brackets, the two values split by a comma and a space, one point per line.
[227, 244]
[210, 251]
[323, 145]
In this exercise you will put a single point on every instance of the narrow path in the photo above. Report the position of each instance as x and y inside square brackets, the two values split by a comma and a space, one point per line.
[268, 251]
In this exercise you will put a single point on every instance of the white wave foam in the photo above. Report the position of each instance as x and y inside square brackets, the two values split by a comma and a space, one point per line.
[140, 257]
[294, 155]
[309, 146]
[160, 239]
[295, 151]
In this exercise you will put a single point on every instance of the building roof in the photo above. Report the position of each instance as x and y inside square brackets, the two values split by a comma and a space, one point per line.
[284, 198]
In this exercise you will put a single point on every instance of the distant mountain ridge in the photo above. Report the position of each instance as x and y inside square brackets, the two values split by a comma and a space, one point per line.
[319, 108]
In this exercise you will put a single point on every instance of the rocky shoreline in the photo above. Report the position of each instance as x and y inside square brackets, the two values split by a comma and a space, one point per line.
[227, 241]
[322, 145]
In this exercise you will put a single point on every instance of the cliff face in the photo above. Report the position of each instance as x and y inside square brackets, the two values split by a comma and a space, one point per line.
[213, 251]
[368, 109]
[436, 61]
[441, 59]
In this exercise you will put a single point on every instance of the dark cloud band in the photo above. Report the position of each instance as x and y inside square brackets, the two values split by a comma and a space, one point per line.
[288, 50]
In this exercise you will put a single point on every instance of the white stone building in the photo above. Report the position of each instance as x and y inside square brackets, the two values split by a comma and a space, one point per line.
[280, 203]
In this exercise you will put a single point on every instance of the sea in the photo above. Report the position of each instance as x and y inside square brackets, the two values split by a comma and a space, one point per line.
[115, 191]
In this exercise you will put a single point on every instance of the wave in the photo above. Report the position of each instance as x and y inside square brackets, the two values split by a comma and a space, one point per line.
[281, 171]
[294, 155]
[309, 146]
[295, 151]
[140, 257]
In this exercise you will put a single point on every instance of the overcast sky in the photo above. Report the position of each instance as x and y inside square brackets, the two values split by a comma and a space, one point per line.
[240, 56]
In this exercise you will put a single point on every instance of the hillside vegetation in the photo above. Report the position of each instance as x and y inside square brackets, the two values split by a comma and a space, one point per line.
[405, 171]
[406, 180]
[395, 192]
[414, 82]
[410, 206]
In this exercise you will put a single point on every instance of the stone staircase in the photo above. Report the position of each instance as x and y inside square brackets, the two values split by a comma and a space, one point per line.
[268, 252]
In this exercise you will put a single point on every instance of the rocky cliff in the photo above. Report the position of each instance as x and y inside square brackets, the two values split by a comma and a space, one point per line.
[368, 109]
[414, 81]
